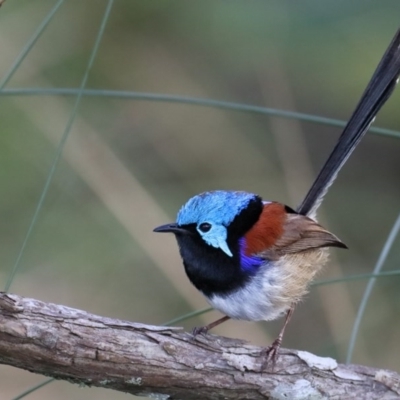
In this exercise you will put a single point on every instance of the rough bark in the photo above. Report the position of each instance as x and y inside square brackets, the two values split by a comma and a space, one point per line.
[166, 363]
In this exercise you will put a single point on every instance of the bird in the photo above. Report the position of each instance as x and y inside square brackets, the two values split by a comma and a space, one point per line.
[254, 259]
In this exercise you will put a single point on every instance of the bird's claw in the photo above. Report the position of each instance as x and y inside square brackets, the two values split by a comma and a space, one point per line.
[270, 355]
[199, 330]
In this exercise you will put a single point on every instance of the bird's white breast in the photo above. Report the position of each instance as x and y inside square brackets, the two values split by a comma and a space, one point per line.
[256, 301]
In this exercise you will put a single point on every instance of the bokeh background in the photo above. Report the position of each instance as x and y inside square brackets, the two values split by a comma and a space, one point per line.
[129, 164]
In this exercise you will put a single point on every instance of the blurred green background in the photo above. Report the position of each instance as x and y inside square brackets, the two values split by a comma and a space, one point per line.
[129, 165]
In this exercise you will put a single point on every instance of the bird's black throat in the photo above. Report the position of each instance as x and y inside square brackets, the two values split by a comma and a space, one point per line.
[209, 269]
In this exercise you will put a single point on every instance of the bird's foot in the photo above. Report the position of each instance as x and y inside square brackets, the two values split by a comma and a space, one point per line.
[270, 355]
[206, 328]
[200, 330]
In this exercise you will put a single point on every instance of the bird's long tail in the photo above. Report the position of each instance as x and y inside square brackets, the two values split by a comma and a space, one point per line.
[374, 97]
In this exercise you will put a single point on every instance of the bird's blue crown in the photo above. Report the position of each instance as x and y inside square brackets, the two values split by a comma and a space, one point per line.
[219, 207]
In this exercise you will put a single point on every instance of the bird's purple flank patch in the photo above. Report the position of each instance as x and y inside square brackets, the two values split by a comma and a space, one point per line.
[248, 263]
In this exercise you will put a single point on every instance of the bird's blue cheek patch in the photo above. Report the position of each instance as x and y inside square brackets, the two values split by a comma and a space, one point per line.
[216, 237]
[249, 263]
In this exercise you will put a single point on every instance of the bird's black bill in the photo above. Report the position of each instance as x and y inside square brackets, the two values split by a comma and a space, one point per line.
[174, 228]
[377, 92]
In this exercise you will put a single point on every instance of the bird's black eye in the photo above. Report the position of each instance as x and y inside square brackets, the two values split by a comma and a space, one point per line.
[205, 227]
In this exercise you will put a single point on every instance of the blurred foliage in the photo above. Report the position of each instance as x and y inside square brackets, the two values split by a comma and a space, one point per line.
[129, 165]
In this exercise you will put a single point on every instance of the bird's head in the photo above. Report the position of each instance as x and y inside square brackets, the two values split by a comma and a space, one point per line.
[216, 219]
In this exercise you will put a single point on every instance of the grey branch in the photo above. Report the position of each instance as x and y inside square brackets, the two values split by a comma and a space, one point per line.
[167, 363]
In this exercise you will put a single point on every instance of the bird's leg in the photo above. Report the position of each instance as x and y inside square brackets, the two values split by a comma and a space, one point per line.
[205, 329]
[271, 352]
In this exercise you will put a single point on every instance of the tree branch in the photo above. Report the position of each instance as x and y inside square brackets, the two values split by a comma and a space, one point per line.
[166, 363]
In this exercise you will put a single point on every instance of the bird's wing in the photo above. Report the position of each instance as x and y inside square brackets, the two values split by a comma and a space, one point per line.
[301, 233]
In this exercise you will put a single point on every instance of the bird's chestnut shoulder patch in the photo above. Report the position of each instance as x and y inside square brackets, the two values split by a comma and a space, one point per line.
[267, 229]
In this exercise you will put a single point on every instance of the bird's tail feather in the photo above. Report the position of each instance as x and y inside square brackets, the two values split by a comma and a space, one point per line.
[375, 95]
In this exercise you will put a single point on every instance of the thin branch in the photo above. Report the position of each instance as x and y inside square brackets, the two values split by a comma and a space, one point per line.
[166, 363]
